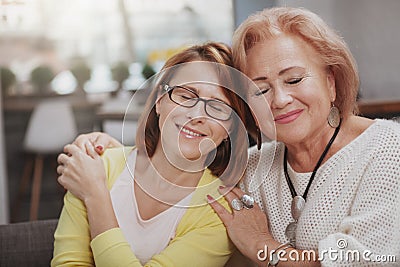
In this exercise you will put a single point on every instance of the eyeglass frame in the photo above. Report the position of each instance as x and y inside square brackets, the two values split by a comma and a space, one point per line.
[168, 89]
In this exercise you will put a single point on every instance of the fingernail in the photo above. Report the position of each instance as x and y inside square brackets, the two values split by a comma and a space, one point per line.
[100, 147]
[210, 198]
[222, 189]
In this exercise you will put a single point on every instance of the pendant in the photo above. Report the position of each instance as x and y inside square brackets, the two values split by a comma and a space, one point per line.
[297, 207]
[290, 232]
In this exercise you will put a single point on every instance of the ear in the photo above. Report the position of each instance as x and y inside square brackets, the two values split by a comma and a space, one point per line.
[330, 79]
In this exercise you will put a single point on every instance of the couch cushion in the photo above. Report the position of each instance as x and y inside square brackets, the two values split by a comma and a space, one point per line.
[27, 243]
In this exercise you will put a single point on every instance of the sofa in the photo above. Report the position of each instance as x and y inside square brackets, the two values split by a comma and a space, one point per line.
[31, 244]
[27, 243]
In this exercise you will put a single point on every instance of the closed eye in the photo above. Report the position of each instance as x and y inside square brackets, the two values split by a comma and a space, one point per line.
[261, 92]
[218, 106]
[295, 80]
[187, 97]
[215, 107]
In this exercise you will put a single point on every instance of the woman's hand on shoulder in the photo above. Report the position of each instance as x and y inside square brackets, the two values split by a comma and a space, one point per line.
[100, 141]
[82, 172]
[247, 228]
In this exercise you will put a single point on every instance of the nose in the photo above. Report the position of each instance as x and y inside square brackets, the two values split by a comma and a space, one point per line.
[280, 98]
[197, 114]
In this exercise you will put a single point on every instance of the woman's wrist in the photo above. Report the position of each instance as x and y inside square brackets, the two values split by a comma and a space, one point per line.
[97, 196]
[100, 213]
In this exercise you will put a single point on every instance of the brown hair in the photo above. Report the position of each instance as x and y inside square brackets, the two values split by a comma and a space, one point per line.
[148, 128]
[312, 29]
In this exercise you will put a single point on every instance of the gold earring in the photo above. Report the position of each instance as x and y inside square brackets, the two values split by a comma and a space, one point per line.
[334, 116]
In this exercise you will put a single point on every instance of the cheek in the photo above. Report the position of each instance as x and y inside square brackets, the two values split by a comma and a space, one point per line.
[312, 93]
[167, 109]
[166, 116]
[260, 108]
[318, 98]
[319, 87]
[161, 124]
[221, 130]
[264, 118]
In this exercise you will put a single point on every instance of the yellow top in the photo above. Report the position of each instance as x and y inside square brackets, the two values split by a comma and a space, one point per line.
[201, 238]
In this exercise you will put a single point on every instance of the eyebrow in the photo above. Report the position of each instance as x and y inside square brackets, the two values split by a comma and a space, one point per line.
[262, 78]
[195, 90]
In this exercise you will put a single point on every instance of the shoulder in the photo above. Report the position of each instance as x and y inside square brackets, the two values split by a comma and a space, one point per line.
[208, 185]
[380, 178]
[200, 212]
[383, 136]
[386, 137]
[380, 147]
[268, 150]
[114, 160]
[117, 153]
[261, 161]
[388, 127]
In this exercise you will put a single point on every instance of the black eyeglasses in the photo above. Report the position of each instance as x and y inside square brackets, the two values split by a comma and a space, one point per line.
[186, 97]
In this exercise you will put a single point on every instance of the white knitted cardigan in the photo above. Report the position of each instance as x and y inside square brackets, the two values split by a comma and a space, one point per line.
[353, 203]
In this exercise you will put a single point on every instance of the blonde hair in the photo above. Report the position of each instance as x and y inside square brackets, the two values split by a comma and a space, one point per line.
[311, 28]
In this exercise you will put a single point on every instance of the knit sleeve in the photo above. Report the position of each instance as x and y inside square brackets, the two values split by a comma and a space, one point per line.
[370, 234]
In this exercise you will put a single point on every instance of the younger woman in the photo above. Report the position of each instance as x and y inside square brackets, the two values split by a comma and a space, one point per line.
[147, 205]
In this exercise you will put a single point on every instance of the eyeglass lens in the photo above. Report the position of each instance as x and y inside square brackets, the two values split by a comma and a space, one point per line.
[187, 98]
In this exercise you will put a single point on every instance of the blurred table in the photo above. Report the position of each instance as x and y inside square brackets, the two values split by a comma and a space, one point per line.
[382, 108]
[21, 107]
[119, 117]
[118, 110]
[28, 103]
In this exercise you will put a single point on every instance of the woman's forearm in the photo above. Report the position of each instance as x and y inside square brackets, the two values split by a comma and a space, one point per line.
[100, 213]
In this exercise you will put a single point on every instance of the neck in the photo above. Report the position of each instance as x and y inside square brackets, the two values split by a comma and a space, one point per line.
[161, 173]
[303, 156]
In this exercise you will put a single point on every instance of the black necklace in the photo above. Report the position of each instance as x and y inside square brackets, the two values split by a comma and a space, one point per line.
[298, 201]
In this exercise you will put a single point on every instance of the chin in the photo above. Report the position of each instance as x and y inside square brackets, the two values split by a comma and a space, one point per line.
[196, 154]
[189, 152]
[288, 135]
[290, 139]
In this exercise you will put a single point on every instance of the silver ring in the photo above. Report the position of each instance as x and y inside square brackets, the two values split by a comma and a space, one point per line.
[236, 204]
[248, 201]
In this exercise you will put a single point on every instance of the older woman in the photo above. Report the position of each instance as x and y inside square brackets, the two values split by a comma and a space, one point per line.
[331, 182]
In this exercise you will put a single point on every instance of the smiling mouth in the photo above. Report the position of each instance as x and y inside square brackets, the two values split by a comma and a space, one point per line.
[189, 132]
[288, 117]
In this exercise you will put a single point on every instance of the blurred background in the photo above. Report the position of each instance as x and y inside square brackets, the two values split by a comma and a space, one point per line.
[71, 66]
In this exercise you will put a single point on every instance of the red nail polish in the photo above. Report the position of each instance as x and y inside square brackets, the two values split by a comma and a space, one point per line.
[99, 147]
[210, 198]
